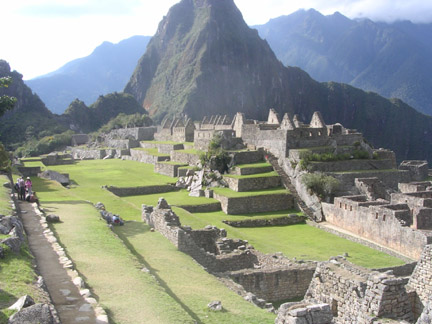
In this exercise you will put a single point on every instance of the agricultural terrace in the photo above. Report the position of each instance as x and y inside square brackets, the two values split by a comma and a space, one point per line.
[138, 275]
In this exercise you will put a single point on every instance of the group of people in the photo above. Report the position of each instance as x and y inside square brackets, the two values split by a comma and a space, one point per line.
[24, 189]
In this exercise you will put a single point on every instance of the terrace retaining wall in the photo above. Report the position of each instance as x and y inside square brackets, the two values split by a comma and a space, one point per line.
[138, 191]
[248, 184]
[255, 204]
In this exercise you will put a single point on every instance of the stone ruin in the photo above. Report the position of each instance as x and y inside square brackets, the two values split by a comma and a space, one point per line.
[403, 223]
[257, 277]
[341, 292]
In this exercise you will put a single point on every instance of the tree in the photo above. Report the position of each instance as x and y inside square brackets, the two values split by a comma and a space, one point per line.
[6, 102]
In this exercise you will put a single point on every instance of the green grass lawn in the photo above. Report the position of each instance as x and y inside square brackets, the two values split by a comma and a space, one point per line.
[179, 289]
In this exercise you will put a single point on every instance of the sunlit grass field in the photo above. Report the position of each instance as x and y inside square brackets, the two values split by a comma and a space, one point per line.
[179, 288]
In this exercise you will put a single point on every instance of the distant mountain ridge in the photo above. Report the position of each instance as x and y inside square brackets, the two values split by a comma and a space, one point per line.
[205, 60]
[394, 60]
[107, 69]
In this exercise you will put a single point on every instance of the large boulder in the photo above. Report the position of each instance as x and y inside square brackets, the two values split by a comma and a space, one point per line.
[38, 313]
[14, 243]
[61, 178]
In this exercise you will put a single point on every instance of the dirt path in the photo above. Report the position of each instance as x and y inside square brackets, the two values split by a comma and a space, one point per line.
[70, 305]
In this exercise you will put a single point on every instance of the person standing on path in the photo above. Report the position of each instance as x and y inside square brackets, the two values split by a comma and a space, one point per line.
[28, 185]
[21, 192]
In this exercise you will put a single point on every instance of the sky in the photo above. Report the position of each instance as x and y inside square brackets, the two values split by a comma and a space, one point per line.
[40, 36]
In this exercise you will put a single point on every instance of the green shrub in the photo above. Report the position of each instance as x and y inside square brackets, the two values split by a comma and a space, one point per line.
[320, 184]
[45, 145]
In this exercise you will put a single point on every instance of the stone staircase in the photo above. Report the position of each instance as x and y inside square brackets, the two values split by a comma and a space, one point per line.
[286, 182]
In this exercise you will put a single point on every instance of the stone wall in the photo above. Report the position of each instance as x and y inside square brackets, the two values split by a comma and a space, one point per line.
[276, 284]
[168, 169]
[121, 143]
[278, 221]
[255, 204]
[185, 158]
[145, 157]
[389, 178]
[357, 295]
[247, 157]
[138, 191]
[205, 208]
[79, 139]
[421, 280]
[195, 243]
[249, 184]
[88, 154]
[302, 313]
[376, 221]
[29, 171]
[348, 165]
[274, 141]
[251, 170]
[136, 133]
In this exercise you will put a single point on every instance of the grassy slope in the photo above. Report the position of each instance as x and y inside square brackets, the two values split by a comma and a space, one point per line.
[183, 289]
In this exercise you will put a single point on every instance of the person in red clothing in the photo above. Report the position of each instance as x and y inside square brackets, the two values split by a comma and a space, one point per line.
[28, 185]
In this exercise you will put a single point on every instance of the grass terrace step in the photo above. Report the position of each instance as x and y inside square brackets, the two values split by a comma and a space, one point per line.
[253, 181]
[260, 201]
[253, 168]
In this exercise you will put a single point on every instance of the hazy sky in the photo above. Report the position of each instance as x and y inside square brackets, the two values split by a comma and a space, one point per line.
[39, 36]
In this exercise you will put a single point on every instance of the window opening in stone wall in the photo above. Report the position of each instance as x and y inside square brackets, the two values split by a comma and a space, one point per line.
[384, 216]
[340, 205]
[350, 208]
[376, 216]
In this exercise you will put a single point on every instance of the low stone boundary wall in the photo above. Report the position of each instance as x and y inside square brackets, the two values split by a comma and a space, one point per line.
[186, 158]
[205, 208]
[168, 169]
[248, 184]
[255, 204]
[276, 284]
[262, 222]
[138, 191]
[251, 170]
